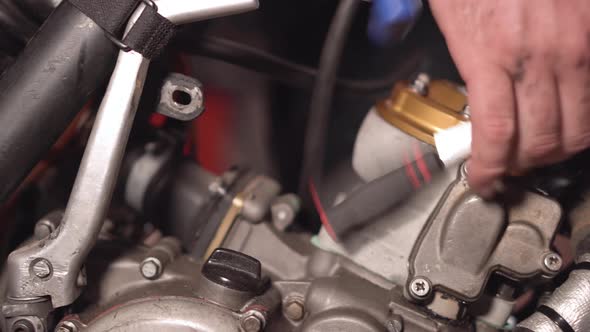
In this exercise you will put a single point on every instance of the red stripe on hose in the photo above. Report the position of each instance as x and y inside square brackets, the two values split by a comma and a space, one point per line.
[421, 163]
[323, 217]
[411, 173]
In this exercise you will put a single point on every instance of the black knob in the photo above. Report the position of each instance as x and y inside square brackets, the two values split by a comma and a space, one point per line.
[233, 270]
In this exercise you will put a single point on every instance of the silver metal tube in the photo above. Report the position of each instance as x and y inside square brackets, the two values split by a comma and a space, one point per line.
[183, 11]
[51, 266]
[91, 195]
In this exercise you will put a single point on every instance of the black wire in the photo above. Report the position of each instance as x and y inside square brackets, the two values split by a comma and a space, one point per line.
[286, 71]
[321, 100]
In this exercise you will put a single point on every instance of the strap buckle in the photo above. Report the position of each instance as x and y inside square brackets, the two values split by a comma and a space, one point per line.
[118, 42]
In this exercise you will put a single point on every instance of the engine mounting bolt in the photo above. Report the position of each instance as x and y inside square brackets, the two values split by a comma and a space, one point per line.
[67, 326]
[151, 268]
[420, 288]
[41, 268]
[294, 309]
[395, 324]
[22, 325]
[251, 323]
[553, 262]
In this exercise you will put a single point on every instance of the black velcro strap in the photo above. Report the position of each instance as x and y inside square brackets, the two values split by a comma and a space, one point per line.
[110, 15]
[556, 318]
[150, 33]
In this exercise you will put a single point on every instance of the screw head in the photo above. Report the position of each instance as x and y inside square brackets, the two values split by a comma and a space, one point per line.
[41, 268]
[420, 288]
[552, 262]
[294, 309]
[151, 268]
[251, 323]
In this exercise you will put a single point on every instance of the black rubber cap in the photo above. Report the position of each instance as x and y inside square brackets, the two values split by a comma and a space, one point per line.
[233, 270]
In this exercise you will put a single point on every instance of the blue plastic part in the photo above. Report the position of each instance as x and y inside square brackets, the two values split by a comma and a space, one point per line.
[391, 20]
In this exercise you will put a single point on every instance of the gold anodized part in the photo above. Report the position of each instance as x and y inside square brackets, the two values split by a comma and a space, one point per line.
[421, 116]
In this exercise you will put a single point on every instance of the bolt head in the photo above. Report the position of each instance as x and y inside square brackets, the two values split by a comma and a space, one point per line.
[22, 325]
[419, 288]
[67, 327]
[251, 323]
[553, 262]
[151, 268]
[41, 268]
[394, 325]
[294, 310]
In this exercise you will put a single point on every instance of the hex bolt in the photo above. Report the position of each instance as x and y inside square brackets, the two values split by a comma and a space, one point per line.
[159, 256]
[251, 323]
[151, 268]
[22, 325]
[420, 288]
[41, 268]
[552, 262]
[294, 309]
[67, 326]
[284, 209]
[421, 83]
[395, 324]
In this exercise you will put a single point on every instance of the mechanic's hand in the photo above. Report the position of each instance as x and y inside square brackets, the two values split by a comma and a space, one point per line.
[527, 69]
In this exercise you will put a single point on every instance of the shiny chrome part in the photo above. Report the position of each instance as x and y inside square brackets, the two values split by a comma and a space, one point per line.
[553, 262]
[419, 288]
[185, 11]
[67, 250]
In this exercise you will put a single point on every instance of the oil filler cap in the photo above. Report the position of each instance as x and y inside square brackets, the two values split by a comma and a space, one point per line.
[234, 270]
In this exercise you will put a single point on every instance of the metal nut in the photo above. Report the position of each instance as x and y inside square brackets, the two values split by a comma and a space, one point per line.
[41, 268]
[251, 323]
[294, 309]
[151, 268]
[420, 288]
[552, 262]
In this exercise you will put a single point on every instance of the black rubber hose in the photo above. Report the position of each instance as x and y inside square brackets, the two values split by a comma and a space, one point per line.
[285, 70]
[48, 84]
[321, 100]
[378, 196]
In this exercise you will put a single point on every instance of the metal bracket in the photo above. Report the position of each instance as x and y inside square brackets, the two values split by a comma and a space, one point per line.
[50, 267]
[181, 97]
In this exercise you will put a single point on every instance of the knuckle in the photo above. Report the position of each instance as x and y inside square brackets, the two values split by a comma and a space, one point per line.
[541, 146]
[499, 130]
[575, 144]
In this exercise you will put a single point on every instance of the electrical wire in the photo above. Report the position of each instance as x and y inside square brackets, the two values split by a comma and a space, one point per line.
[286, 71]
[321, 100]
